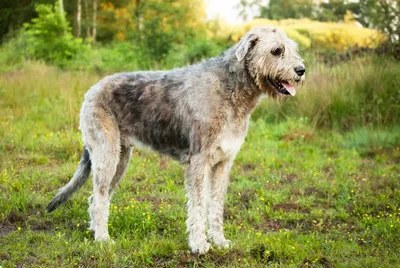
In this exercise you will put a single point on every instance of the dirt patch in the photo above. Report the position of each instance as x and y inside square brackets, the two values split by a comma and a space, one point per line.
[389, 154]
[248, 167]
[247, 170]
[15, 217]
[299, 135]
[5, 256]
[261, 254]
[164, 162]
[270, 225]
[152, 199]
[6, 228]
[41, 226]
[290, 178]
[323, 262]
[276, 225]
[329, 170]
[246, 197]
[315, 192]
[295, 192]
[291, 207]
[306, 225]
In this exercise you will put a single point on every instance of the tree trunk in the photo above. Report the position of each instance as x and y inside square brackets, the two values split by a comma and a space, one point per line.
[139, 19]
[78, 18]
[87, 18]
[63, 16]
[94, 20]
[62, 8]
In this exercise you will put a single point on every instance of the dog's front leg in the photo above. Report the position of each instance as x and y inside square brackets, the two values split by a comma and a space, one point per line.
[197, 185]
[219, 185]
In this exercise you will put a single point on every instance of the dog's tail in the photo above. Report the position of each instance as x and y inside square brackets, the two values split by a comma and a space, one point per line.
[80, 176]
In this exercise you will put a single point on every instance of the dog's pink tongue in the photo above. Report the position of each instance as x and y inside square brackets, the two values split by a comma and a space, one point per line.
[289, 88]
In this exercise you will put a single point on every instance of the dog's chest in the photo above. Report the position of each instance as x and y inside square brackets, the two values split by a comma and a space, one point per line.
[226, 148]
[230, 145]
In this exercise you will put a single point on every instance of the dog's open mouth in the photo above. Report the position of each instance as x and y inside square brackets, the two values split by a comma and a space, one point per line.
[283, 87]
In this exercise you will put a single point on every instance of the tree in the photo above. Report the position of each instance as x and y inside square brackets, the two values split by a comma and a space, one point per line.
[49, 35]
[383, 15]
[330, 10]
[153, 24]
[13, 14]
[335, 10]
[285, 9]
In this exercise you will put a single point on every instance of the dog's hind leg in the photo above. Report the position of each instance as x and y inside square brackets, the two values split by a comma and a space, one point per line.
[124, 158]
[197, 185]
[101, 135]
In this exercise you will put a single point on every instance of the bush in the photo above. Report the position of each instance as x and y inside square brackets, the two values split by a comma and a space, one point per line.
[191, 52]
[115, 57]
[49, 37]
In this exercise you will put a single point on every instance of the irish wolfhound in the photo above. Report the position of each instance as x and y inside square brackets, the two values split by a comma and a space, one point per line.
[198, 114]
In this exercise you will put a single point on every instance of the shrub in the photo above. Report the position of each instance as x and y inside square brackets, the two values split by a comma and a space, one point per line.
[191, 52]
[49, 36]
[115, 57]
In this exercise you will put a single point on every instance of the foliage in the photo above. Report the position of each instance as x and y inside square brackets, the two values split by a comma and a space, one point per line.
[49, 36]
[115, 57]
[285, 9]
[192, 51]
[383, 15]
[321, 35]
[155, 25]
[331, 10]
[335, 10]
[14, 13]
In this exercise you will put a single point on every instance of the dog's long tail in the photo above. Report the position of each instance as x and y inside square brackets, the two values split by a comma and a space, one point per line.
[80, 176]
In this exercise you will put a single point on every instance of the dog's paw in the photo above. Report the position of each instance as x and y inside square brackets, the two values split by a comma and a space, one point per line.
[105, 241]
[102, 237]
[200, 248]
[222, 243]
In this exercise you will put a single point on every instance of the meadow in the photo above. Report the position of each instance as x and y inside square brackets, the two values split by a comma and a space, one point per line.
[316, 184]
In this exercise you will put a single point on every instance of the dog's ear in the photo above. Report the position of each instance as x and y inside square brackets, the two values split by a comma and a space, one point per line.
[245, 45]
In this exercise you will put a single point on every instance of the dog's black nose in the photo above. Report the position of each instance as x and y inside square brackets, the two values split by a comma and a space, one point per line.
[300, 70]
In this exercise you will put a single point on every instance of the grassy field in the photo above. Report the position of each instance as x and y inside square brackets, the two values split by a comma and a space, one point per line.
[302, 193]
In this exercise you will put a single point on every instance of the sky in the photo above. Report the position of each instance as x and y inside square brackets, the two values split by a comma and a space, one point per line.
[228, 10]
[224, 9]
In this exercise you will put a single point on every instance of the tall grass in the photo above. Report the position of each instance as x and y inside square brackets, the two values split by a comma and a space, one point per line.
[361, 92]
[40, 108]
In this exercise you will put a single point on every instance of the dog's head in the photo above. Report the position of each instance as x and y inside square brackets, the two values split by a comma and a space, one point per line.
[272, 59]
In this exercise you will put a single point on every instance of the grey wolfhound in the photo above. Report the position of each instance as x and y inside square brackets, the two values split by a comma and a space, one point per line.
[198, 114]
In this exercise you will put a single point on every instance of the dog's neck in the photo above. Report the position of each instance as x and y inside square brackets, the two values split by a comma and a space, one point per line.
[244, 91]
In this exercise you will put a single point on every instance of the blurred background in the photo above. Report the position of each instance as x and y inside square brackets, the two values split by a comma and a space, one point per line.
[100, 36]
[351, 47]
[107, 36]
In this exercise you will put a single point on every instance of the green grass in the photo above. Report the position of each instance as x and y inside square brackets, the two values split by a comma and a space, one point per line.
[299, 195]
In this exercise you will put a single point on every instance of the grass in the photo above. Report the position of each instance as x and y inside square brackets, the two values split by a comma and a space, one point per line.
[341, 98]
[300, 196]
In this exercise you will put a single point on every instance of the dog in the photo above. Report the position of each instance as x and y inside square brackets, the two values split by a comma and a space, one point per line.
[198, 115]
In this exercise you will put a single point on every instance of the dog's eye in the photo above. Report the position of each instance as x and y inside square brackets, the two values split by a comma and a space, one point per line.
[278, 51]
